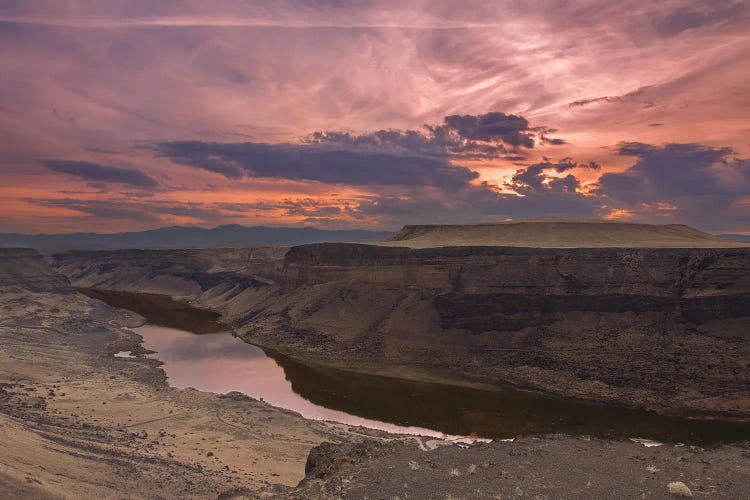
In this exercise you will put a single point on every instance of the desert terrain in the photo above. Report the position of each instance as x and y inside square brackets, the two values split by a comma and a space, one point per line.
[660, 327]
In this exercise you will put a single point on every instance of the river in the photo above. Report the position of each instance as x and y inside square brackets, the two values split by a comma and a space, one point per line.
[197, 351]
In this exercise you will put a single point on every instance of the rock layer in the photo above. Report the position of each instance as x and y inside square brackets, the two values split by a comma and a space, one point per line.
[25, 268]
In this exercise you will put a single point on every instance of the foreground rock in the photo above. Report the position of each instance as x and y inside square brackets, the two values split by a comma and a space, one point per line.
[551, 467]
[656, 328]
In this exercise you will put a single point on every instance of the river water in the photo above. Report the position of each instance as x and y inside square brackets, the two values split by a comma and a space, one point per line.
[197, 351]
[219, 362]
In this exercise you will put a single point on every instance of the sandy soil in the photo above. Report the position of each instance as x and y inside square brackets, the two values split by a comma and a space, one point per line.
[558, 233]
[79, 423]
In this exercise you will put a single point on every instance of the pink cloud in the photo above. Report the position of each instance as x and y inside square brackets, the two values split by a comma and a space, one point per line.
[91, 81]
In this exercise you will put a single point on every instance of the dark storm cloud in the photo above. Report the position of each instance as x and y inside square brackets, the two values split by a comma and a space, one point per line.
[704, 185]
[103, 173]
[510, 129]
[552, 141]
[417, 163]
[99, 208]
[412, 142]
[97, 187]
[314, 163]
[684, 18]
[664, 172]
[537, 193]
[478, 204]
[535, 178]
[383, 157]
[440, 142]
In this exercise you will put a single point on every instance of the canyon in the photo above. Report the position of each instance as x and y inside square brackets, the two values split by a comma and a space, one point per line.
[660, 328]
[663, 329]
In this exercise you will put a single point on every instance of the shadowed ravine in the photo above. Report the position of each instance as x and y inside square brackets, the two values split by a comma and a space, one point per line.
[161, 310]
[450, 409]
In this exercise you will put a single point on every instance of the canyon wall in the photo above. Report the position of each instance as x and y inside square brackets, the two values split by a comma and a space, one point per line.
[665, 329]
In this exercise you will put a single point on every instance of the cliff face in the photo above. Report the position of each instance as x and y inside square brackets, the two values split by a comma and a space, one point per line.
[659, 328]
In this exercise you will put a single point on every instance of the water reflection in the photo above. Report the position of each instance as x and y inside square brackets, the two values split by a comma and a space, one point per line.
[495, 414]
[222, 363]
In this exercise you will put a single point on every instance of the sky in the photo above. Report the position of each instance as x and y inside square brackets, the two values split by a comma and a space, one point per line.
[136, 114]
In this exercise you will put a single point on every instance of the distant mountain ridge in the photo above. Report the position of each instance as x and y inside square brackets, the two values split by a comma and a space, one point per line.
[232, 235]
[737, 237]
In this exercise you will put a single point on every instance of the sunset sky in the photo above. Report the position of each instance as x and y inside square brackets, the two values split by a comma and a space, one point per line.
[136, 114]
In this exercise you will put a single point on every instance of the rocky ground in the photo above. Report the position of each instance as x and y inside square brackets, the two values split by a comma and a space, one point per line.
[536, 467]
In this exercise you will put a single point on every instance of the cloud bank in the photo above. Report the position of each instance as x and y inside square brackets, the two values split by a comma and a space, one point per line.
[95, 172]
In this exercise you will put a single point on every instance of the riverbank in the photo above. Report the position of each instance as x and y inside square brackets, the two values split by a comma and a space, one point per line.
[556, 467]
[79, 423]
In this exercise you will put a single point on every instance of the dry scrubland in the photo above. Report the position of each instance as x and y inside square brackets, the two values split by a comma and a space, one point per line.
[78, 423]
